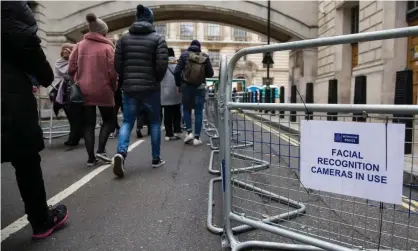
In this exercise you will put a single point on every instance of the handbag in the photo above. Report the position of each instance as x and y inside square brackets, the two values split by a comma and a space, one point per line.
[75, 94]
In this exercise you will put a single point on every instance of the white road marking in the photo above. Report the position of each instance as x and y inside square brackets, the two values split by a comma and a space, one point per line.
[22, 221]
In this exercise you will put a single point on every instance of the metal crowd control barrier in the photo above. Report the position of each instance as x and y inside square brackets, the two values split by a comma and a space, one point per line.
[212, 110]
[330, 221]
[52, 131]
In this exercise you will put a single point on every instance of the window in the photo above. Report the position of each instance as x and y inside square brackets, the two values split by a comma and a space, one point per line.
[268, 59]
[214, 57]
[161, 29]
[354, 29]
[240, 34]
[412, 13]
[186, 31]
[270, 82]
[412, 5]
[244, 58]
[213, 32]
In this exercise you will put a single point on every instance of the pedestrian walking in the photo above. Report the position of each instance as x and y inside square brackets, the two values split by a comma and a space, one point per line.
[21, 135]
[191, 72]
[141, 60]
[91, 65]
[72, 111]
[170, 100]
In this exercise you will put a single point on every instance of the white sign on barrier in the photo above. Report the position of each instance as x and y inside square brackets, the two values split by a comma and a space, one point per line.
[363, 160]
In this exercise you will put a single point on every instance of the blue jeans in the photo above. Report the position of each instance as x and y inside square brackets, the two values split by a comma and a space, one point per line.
[152, 104]
[193, 98]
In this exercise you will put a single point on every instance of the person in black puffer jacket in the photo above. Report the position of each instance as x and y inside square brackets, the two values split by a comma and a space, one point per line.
[141, 60]
[21, 135]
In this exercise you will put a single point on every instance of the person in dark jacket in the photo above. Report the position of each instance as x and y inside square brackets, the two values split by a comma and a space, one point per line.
[192, 96]
[141, 59]
[21, 135]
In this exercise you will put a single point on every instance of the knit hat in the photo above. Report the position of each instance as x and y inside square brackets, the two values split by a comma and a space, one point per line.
[171, 52]
[96, 24]
[144, 14]
[195, 43]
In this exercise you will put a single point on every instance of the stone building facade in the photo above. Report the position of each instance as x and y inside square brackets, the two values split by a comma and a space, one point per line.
[218, 39]
[377, 60]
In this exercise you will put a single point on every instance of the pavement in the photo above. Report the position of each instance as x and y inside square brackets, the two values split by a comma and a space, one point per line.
[410, 162]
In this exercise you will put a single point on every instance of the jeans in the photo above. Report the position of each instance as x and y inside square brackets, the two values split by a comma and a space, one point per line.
[193, 97]
[152, 104]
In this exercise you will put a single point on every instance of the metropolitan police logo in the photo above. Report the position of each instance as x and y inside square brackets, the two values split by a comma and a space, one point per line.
[337, 137]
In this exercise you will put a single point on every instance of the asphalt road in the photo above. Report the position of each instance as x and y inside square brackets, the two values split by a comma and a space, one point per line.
[348, 221]
[150, 209]
[165, 208]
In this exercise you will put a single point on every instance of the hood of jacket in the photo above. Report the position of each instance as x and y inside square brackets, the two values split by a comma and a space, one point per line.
[98, 38]
[141, 27]
[172, 60]
[194, 48]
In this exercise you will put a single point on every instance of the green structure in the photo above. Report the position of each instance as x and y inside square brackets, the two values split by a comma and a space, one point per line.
[215, 82]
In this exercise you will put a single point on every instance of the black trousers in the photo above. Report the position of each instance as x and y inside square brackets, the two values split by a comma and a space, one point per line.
[142, 119]
[90, 126]
[117, 107]
[31, 186]
[74, 115]
[172, 120]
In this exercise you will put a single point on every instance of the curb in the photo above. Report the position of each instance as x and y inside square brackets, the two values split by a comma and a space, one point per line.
[409, 179]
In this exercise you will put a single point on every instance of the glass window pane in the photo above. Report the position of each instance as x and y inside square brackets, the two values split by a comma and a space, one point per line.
[214, 57]
[161, 29]
[213, 31]
[240, 34]
[186, 31]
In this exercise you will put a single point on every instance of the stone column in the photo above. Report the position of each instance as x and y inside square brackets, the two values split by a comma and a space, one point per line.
[200, 31]
[227, 33]
[394, 51]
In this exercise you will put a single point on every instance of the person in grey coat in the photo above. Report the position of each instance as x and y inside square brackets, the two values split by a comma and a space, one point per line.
[171, 100]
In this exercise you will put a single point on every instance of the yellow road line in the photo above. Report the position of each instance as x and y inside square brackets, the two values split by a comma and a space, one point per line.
[270, 129]
[407, 201]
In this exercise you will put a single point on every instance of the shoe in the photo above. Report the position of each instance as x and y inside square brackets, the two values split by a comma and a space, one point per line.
[57, 217]
[189, 138]
[157, 162]
[172, 138]
[111, 136]
[68, 143]
[197, 142]
[103, 156]
[118, 162]
[92, 162]
[139, 134]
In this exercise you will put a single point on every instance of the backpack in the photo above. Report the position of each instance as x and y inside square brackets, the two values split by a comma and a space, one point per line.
[194, 72]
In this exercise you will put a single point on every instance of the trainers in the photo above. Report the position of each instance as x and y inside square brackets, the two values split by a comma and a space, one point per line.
[103, 156]
[57, 217]
[157, 162]
[92, 162]
[197, 142]
[111, 136]
[189, 138]
[118, 162]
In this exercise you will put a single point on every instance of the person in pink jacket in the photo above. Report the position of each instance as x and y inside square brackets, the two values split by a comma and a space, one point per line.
[91, 66]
